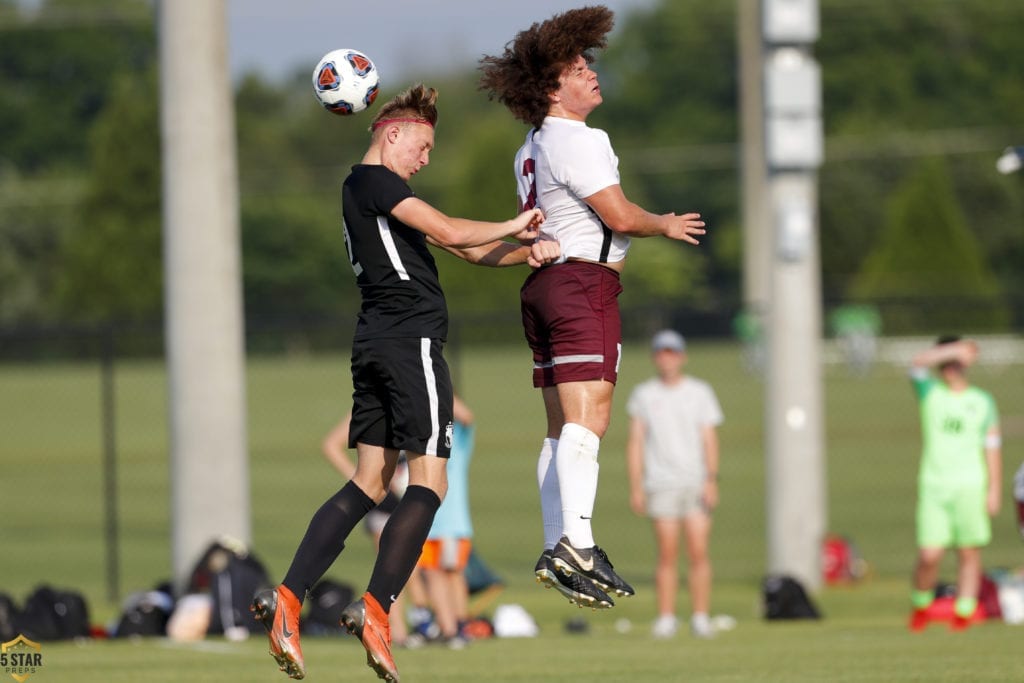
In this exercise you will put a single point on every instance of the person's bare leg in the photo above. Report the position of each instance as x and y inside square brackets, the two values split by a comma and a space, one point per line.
[666, 569]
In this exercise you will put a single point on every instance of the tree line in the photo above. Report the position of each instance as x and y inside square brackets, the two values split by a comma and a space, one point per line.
[920, 97]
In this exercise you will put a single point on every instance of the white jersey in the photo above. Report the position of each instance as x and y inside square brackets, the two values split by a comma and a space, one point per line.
[673, 416]
[558, 166]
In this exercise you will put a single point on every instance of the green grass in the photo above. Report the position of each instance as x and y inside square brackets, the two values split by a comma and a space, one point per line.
[51, 526]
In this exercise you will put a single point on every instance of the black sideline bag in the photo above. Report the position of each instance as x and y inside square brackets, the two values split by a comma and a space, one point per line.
[52, 614]
[785, 598]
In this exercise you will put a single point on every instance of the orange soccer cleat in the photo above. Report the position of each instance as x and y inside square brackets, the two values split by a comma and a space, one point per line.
[366, 620]
[278, 610]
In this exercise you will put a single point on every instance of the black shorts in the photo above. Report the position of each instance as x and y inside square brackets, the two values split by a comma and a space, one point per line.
[401, 396]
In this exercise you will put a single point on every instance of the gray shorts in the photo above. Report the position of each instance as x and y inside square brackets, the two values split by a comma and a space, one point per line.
[675, 503]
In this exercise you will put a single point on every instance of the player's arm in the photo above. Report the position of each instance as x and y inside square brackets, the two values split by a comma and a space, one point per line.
[461, 233]
[709, 438]
[1018, 495]
[964, 351]
[499, 253]
[461, 411]
[635, 465]
[994, 461]
[335, 448]
[623, 216]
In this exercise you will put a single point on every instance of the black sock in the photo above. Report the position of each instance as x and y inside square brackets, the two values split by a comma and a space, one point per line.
[401, 543]
[325, 537]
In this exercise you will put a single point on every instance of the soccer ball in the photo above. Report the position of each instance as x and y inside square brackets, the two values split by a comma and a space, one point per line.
[345, 81]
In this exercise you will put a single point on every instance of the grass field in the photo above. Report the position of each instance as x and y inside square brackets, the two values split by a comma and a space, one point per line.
[51, 526]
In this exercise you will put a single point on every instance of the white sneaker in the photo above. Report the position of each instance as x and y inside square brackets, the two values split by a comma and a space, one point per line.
[665, 626]
[700, 626]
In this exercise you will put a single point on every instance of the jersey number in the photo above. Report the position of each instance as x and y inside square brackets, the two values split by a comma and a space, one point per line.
[348, 247]
[529, 172]
[953, 425]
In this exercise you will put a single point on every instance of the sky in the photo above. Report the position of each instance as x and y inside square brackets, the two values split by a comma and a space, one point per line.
[406, 39]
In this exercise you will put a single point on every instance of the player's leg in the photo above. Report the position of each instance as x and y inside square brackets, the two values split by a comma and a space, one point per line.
[934, 533]
[571, 321]
[334, 521]
[547, 473]
[972, 531]
[922, 594]
[585, 403]
[400, 545]
[458, 587]
[926, 570]
[666, 574]
[697, 531]
[420, 413]
[278, 608]
[443, 561]
[587, 410]
[578, 590]
[968, 585]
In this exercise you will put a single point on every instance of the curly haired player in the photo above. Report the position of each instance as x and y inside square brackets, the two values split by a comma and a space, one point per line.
[402, 391]
[570, 309]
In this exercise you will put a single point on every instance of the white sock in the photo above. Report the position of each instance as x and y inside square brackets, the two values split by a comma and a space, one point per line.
[576, 460]
[550, 498]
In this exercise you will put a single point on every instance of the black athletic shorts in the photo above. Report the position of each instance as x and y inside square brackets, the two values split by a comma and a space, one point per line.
[401, 396]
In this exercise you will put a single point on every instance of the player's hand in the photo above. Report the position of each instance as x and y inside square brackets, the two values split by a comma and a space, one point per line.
[685, 228]
[994, 501]
[543, 252]
[528, 224]
[638, 502]
[709, 497]
[968, 352]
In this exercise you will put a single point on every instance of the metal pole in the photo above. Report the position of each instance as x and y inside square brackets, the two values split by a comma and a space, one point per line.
[110, 514]
[203, 300]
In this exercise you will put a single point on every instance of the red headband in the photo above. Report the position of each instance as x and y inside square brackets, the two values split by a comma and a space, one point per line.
[384, 122]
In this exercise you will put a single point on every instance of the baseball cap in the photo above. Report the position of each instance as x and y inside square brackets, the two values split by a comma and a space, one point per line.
[668, 340]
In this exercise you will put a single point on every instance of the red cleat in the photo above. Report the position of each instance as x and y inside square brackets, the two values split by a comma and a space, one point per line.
[959, 623]
[366, 620]
[278, 611]
[919, 620]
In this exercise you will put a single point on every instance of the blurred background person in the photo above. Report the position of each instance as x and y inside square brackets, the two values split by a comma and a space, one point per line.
[959, 476]
[1018, 496]
[449, 542]
[672, 460]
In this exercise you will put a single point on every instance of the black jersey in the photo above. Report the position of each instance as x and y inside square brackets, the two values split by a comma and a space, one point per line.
[394, 268]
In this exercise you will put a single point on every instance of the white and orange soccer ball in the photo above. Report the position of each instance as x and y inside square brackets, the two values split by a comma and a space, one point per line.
[346, 81]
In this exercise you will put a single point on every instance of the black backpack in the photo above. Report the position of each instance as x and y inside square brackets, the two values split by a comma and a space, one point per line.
[234, 577]
[785, 598]
[52, 614]
[326, 601]
[10, 617]
[145, 614]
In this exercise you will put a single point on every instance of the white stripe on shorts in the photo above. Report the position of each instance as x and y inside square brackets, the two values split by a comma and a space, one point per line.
[428, 375]
[562, 360]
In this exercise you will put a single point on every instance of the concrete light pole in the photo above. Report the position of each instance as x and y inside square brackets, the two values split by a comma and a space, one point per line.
[202, 276]
[796, 514]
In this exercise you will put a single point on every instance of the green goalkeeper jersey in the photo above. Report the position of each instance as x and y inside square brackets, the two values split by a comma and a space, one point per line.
[953, 427]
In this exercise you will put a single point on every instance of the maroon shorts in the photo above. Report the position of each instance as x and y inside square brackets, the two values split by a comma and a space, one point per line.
[571, 320]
